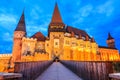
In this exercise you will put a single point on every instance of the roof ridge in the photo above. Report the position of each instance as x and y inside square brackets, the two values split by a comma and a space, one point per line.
[76, 28]
[39, 36]
[76, 31]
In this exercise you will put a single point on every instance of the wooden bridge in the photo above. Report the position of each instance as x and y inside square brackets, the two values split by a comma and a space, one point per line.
[63, 70]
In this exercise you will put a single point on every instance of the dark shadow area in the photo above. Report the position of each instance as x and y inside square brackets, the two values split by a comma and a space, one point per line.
[56, 59]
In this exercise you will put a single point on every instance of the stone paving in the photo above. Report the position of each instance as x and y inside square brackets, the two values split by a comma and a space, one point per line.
[58, 72]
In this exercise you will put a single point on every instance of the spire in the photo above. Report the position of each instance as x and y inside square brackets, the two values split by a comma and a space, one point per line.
[72, 34]
[92, 40]
[86, 38]
[110, 41]
[109, 36]
[56, 17]
[21, 24]
[56, 21]
[80, 36]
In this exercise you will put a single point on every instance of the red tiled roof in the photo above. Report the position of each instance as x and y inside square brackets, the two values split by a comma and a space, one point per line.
[39, 36]
[76, 31]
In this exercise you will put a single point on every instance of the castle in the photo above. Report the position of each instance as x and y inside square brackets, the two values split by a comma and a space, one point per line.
[63, 42]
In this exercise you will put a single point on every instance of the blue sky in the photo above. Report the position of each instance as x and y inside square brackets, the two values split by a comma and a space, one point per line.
[96, 17]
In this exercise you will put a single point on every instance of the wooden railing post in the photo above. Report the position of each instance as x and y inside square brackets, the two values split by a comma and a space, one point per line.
[90, 70]
[31, 70]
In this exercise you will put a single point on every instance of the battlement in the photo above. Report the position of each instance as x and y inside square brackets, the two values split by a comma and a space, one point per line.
[5, 55]
[29, 39]
[75, 36]
[76, 41]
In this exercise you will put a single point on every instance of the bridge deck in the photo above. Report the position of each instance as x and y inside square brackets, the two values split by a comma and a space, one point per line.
[58, 72]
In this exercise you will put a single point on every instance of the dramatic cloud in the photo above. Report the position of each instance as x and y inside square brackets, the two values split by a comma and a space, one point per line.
[107, 8]
[5, 19]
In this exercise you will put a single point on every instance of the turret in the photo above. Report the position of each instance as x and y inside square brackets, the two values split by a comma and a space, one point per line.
[19, 33]
[110, 41]
[92, 40]
[86, 38]
[80, 36]
[72, 34]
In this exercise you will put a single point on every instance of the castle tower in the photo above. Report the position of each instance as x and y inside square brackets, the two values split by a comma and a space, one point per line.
[110, 41]
[56, 33]
[56, 24]
[19, 33]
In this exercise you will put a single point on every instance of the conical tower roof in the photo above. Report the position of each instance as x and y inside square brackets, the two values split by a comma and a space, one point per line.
[56, 17]
[109, 36]
[21, 24]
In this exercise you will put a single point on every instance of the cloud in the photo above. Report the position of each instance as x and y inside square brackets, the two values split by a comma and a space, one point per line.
[7, 21]
[86, 10]
[31, 29]
[7, 36]
[83, 13]
[106, 8]
[95, 12]
[36, 28]
[35, 12]
[7, 18]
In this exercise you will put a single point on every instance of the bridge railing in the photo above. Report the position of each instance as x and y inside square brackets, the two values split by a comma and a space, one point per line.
[90, 70]
[31, 70]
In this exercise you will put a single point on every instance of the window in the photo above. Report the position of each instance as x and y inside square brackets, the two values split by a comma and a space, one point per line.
[81, 45]
[67, 42]
[59, 35]
[76, 44]
[56, 43]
